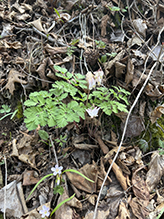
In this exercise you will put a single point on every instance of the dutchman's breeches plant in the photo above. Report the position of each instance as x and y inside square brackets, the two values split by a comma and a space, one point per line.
[86, 93]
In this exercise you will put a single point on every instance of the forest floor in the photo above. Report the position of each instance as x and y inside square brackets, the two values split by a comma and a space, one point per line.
[81, 89]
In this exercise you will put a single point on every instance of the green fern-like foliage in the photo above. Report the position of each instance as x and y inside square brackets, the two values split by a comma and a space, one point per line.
[110, 100]
[50, 107]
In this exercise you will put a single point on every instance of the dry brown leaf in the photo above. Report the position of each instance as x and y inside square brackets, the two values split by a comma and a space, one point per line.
[108, 65]
[15, 203]
[140, 26]
[8, 45]
[14, 77]
[123, 212]
[23, 150]
[140, 188]
[157, 113]
[41, 72]
[126, 158]
[130, 72]
[17, 177]
[156, 170]
[85, 146]
[104, 21]
[7, 30]
[100, 214]
[55, 50]
[139, 54]
[138, 208]
[117, 36]
[103, 147]
[65, 211]
[138, 78]
[135, 40]
[29, 178]
[153, 92]
[114, 196]
[119, 175]
[65, 16]
[112, 152]
[27, 6]
[83, 45]
[68, 4]
[18, 7]
[140, 202]
[160, 198]
[19, 60]
[38, 25]
[65, 60]
[156, 52]
[75, 203]
[123, 167]
[91, 198]
[22, 17]
[82, 156]
[29, 159]
[119, 69]
[90, 171]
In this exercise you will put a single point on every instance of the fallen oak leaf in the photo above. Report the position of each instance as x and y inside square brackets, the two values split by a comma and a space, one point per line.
[14, 76]
[156, 113]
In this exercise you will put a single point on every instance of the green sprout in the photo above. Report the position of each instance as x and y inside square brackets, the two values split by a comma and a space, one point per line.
[61, 140]
[6, 109]
[100, 44]
[70, 50]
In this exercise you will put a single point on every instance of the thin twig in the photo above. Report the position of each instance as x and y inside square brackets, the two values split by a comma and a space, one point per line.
[54, 151]
[39, 79]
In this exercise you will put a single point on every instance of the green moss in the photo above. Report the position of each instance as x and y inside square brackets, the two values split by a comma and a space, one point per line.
[153, 134]
[19, 107]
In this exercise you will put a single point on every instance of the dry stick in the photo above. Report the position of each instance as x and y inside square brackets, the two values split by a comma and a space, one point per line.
[54, 150]
[4, 215]
[123, 135]
[37, 78]
[48, 37]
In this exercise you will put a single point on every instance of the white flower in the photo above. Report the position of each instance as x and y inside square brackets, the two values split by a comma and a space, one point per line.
[56, 170]
[45, 211]
[93, 112]
[90, 79]
[99, 76]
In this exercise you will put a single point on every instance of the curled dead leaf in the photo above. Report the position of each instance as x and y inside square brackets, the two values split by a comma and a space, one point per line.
[156, 170]
[14, 77]
[156, 113]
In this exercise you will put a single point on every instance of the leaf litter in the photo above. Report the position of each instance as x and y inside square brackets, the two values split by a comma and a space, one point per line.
[82, 36]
